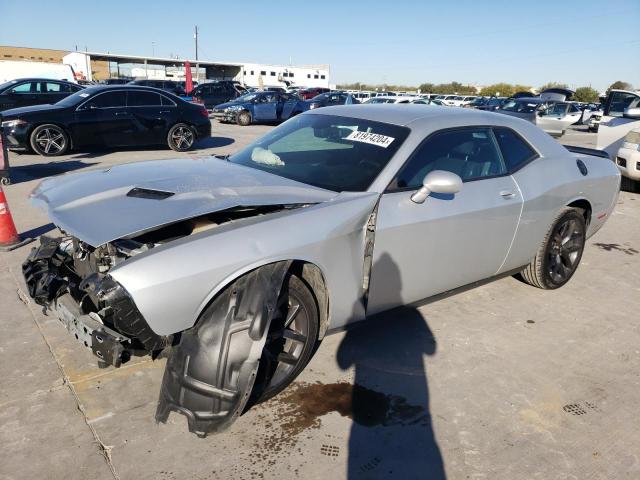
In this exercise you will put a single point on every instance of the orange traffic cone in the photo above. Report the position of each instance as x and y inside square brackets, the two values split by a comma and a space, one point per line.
[9, 238]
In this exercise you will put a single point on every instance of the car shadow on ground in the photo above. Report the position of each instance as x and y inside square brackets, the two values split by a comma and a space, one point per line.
[213, 142]
[391, 434]
[209, 142]
[26, 173]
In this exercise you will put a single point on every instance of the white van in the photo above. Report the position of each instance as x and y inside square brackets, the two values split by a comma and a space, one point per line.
[12, 70]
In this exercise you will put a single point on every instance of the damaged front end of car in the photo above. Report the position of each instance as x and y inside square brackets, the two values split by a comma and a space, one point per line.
[70, 278]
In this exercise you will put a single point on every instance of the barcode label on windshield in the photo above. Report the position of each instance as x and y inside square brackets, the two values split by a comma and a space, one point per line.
[371, 138]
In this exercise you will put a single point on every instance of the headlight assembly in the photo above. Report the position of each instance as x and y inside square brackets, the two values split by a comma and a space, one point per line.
[13, 123]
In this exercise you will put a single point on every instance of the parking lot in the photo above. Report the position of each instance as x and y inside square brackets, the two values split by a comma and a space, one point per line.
[500, 382]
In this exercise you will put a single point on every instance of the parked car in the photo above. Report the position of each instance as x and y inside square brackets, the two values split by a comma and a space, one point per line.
[242, 264]
[112, 116]
[266, 106]
[329, 99]
[594, 120]
[467, 100]
[391, 99]
[214, 93]
[477, 102]
[309, 93]
[25, 92]
[552, 116]
[492, 104]
[171, 86]
[628, 161]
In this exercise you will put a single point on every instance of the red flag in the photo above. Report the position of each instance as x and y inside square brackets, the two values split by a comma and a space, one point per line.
[188, 78]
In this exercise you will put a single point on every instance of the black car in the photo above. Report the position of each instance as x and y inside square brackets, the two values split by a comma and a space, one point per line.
[177, 88]
[493, 103]
[34, 91]
[329, 99]
[105, 115]
[215, 93]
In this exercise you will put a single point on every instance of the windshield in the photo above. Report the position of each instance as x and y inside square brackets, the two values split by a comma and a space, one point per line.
[75, 98]
[247, 97]
[326, 151]
[519, 107]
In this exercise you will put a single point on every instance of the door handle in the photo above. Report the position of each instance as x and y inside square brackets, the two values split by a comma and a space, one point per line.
[507, 194]
[165, 111]
[121, 113]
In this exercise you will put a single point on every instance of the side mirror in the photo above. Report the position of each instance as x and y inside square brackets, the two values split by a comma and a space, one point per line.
[438, 181]
[631, 113]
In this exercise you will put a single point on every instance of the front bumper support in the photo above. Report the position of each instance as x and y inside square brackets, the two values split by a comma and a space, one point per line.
[108, 345]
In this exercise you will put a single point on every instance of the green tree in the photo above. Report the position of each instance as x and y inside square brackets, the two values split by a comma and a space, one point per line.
[426, 87]
[586, 94]
[498, 89]
[521, 88]
[553, 85]
[620, 85]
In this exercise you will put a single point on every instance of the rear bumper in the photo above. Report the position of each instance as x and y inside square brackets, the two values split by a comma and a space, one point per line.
[628, 162]
[203, 130]
[95, 309]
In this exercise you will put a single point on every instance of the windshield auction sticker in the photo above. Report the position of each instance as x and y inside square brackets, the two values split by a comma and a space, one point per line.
[371, 138]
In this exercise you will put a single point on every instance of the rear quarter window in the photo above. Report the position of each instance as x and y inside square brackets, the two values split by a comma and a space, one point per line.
[515, 151]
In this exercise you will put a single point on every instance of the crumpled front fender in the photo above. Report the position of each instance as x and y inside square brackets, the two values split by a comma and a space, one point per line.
[210, 373]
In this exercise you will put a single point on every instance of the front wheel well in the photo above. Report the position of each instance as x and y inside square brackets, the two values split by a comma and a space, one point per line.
[584, 207]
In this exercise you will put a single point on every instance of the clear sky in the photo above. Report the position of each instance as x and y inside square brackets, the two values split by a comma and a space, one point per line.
[579, 42]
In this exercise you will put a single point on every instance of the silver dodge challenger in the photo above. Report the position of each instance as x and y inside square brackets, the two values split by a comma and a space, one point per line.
[240, 265]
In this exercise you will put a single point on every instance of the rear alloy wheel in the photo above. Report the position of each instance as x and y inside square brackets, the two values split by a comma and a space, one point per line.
[181, 137]
[291, 339]
[244, 119]
[49, 140]
[559, 256]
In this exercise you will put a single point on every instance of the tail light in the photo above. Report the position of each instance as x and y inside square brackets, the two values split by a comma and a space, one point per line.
[203, 112]
[195, 99]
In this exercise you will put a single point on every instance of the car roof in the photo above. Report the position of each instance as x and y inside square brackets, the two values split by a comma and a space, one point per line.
[405, 114]
[38, 79]
[127, 86]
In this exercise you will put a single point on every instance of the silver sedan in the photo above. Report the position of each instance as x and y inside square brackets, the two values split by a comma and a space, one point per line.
[240, 265]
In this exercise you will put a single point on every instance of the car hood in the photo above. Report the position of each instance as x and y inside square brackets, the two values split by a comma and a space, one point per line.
[222, 106]
[16, 112]
[99, 206]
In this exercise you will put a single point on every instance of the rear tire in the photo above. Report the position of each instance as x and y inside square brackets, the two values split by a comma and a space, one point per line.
[291, 340]
[181, 137]
[629, 185]
[49, 140]
[244, 119]
[559, 255]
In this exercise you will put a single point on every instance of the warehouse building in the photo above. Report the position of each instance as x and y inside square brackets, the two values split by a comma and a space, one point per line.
[100, 66]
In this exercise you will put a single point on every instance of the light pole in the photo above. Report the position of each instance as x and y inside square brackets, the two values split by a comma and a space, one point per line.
[195, 36]
[153, 49]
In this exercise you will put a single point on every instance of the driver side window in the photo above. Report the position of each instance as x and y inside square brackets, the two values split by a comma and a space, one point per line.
[28, 87]
[470, 153]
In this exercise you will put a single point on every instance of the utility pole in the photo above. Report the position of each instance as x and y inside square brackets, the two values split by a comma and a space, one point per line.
[195, 36]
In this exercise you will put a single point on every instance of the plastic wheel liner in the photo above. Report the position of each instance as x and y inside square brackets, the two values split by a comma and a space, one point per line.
[210, 373]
